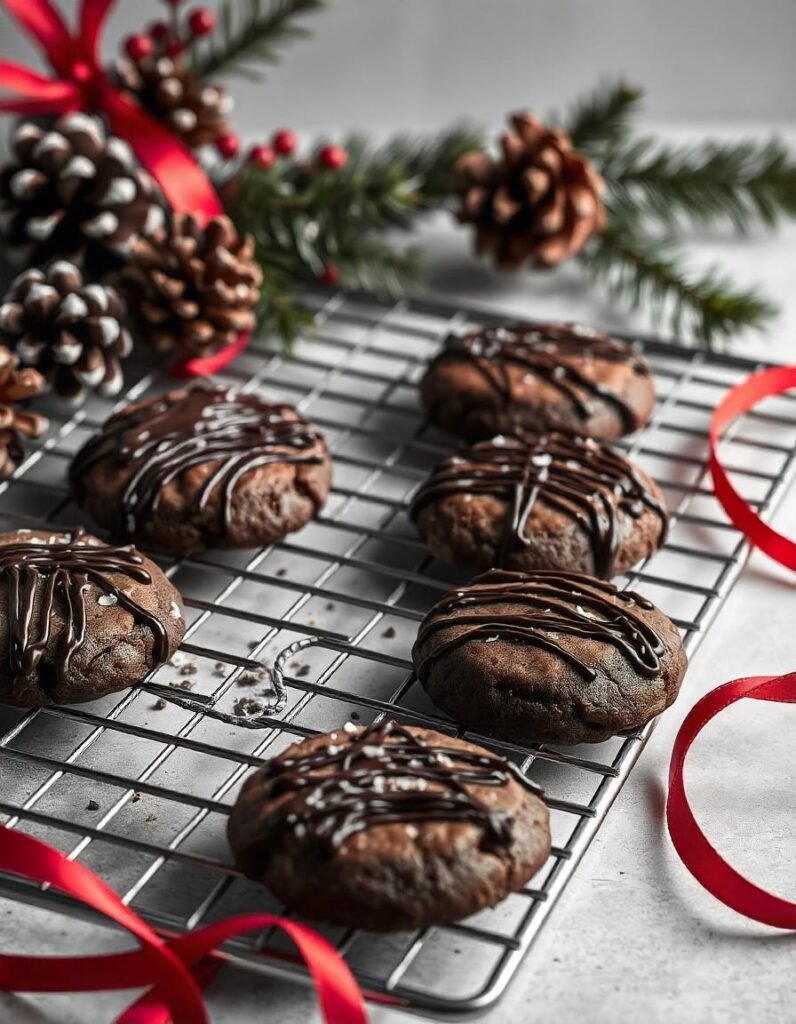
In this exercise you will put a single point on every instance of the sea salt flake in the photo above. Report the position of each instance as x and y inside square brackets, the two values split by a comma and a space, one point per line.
[107, 600]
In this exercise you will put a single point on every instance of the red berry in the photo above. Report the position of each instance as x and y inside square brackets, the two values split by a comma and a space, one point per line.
[201, 21]
[137, 47]
[158, 30]
[175, 48]
[330, 275]
[263, 156]
[333, 158]
[228, 145]
[284, 141]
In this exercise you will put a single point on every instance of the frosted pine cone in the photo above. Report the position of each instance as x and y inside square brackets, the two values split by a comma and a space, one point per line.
[194, 288]
[70, 331]
[168, 90]
[17, 386]
[541, 202]
[73, 191]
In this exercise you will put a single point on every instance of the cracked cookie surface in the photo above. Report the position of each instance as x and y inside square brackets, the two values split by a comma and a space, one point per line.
[548, 657]
[79, 618]
[389, 827]
[202, 467]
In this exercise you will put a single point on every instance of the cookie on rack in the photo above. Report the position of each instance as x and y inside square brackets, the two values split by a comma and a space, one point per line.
[552, 501]
[389, 828]
[548, 657]
[538, 377]
[79, 618]
[203, 467]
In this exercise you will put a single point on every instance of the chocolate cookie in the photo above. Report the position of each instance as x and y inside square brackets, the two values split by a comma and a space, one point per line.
[199, 468]
[558, 501]
[538, 377]
[548, 657]
[389, 828]
[79, 619]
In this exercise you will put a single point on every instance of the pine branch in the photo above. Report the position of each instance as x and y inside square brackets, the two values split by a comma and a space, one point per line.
[643, 272]
[253, 35]
[708, 183]
[602, 120]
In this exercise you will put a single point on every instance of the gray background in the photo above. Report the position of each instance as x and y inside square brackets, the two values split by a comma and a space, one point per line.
[384, 64]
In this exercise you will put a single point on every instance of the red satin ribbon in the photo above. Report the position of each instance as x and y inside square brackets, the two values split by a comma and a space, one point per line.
[176, 968]
[82, 84]
[738, 400]
[703, 861]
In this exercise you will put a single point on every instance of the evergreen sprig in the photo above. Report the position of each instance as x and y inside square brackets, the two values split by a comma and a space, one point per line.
[603, 120]
[251, 33]
[306, 218]
[648, 273]
[741, 183]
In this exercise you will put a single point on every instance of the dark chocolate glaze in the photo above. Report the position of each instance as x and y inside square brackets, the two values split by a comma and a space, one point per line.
[381, 776]
[37, 572]
[553, 605]
[544, 350]
[161, 440]
[574, 475]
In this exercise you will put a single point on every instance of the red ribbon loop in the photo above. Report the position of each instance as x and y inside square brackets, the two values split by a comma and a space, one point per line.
[738, 400]
[704, 862]
[83, 85]
[175, 968]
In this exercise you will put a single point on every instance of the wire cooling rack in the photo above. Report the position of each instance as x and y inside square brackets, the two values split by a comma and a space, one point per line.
[138, 787]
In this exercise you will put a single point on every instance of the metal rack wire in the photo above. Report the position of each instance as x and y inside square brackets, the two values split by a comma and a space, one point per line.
[138, 785]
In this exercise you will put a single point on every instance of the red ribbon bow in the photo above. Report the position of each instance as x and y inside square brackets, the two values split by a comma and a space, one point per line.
[82, 84]
[175, 968]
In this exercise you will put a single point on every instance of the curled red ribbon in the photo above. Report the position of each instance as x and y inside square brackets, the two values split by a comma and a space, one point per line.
[738, 400]
[704, 862]
[175, 969]
[82, 84]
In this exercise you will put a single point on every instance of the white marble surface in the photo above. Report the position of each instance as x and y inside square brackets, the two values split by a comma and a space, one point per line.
[633, 936]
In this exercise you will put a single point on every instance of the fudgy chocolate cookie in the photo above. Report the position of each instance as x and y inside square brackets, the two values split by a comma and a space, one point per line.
[79, 619]
[202, 467]
[538, 377]
[548, 657]
[389, 828]
[557, 501]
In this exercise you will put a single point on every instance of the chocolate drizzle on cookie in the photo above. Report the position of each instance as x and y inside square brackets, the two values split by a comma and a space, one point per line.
[549, 352]
[575, 475]
[384, 775]
[161, 440]
[550, 607]
[38, 574]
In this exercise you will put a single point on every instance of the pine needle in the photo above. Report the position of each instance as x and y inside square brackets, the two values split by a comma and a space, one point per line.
[738, 183]
[645, 273]
[603, 118]
[254, 34]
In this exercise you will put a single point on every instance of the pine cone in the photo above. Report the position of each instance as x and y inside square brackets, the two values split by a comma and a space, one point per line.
[17, 386]
[170, 91]
[194, 289]
[541, 202]
[73, 191]
[70, 331]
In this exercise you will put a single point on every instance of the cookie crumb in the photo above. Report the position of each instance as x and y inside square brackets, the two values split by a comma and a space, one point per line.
[159, 704]
[92, 805]
[280, 572]
[330, 606]
[389, 633]
[190, 668]
[182, 684]
[302, 672]
[252, 644]
[247, 707]
[151, 817]
[136, 797]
